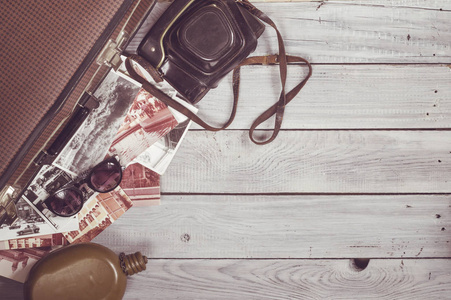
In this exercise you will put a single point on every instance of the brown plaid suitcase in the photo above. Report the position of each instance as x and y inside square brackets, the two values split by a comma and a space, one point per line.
[52, 54]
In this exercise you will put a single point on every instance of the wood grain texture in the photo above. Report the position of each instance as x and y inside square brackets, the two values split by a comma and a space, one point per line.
[349, 32]
[313, 162]
[284, 221]
[421, 4]
[340, 97]
[282, 279]
[287, 227]
[291, 279]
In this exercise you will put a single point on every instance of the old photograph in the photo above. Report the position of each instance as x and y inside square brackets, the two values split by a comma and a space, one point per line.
[158, 156]
[87, 147]
[163, 85]
[47, 181]
[141, 185]
[146, 122]
[47, 240]
[16, 264]
[8, 213]
[90, 143]
[31, 223]
[99, 212]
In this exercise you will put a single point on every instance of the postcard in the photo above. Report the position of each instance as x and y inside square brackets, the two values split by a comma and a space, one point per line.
[90, 143]
[48, 240]
[8, 213]
[141, 185]
[33, 216]
[32, 222]
[99, 212]
[146, 122]
[158, 156]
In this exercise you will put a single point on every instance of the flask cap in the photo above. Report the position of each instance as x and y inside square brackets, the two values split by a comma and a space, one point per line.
[132, 263]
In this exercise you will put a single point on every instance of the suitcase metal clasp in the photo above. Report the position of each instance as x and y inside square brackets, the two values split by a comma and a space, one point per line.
[110, 54]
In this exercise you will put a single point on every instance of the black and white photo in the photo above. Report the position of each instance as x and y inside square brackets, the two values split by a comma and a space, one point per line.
[158, 156]
[90, 143]
[32, 223]
[146, 122]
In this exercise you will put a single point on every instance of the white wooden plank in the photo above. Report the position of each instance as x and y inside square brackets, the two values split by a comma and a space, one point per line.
[343, 32]
[421, 4]
[401, 31]
[282, 279]
[312, 162]
[340, 96]
[291, 279]
[286, 227]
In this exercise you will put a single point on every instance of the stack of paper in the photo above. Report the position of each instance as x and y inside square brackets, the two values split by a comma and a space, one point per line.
[130, 124]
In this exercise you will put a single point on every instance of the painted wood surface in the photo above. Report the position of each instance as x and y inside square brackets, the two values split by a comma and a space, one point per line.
[422, 4]
[288, 227]
[340, 97]
[360, 170]
[282, 279]
[329, 161]
[350, 32]
[292, 279]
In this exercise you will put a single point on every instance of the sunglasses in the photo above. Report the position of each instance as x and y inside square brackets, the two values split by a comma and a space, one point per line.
[102, 178]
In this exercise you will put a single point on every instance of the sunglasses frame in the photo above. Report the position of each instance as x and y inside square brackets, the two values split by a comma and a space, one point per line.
[86, 179]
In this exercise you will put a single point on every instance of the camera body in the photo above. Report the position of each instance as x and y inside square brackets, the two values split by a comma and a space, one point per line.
[194, 44]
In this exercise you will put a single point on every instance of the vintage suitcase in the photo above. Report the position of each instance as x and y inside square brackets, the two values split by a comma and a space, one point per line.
[53, 53]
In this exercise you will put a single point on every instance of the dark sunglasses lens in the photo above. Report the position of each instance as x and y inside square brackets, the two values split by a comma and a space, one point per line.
[106, 176]
[66, 202]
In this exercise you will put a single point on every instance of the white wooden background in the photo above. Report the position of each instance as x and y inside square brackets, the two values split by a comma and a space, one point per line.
[351, 201]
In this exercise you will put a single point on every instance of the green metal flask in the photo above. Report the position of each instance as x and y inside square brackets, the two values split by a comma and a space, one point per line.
[85, 271]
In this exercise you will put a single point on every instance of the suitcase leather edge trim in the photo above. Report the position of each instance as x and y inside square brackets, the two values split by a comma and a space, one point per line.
[89, 59]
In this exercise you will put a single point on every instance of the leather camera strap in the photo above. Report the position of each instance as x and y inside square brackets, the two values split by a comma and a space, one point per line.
[254, 60]
[153, 90]
[282, 102]
[277, 109]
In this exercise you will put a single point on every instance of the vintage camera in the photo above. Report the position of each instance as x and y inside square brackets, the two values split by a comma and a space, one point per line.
[194, 44]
